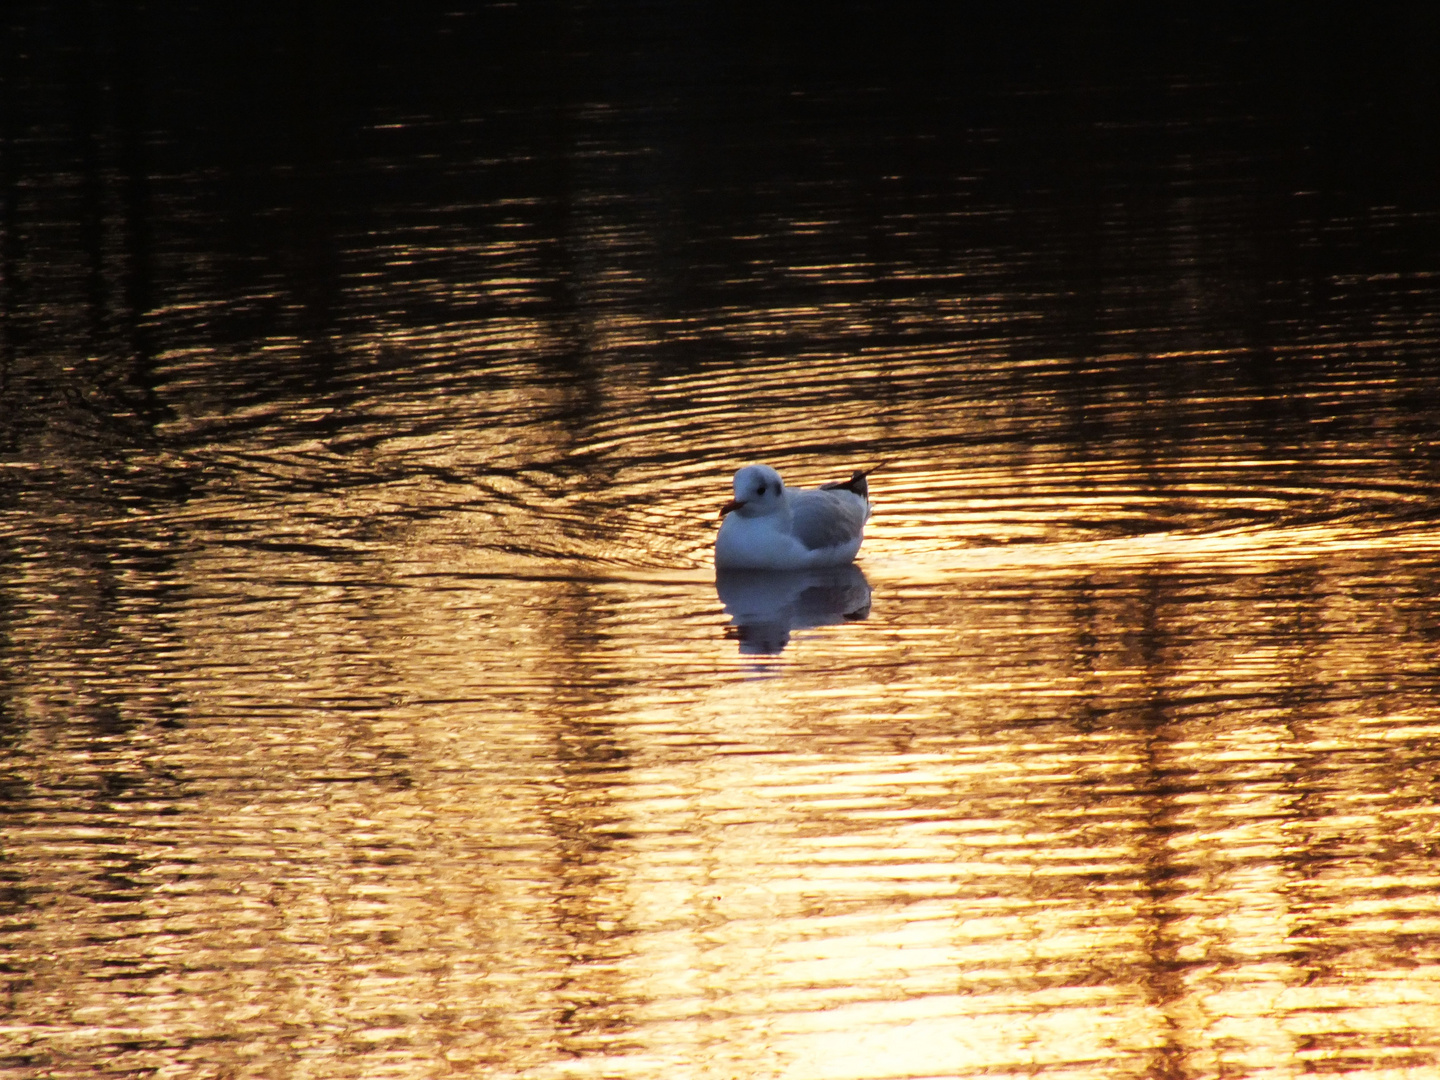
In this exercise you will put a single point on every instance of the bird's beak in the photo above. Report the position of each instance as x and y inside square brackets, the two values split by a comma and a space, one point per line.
[733, 504]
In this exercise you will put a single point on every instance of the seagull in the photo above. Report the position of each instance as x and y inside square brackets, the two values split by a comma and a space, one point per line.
[769, 526]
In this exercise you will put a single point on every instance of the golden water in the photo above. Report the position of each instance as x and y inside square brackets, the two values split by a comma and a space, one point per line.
[383, 780]
[370, 708]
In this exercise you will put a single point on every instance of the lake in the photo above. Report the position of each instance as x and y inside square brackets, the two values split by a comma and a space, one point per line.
[369, 392]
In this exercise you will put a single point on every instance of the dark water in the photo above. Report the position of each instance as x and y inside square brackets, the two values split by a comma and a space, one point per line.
[369, 388]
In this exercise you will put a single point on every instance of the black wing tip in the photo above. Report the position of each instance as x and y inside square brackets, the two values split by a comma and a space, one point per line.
[857, 484]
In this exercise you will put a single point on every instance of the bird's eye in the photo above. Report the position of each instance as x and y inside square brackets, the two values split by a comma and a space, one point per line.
[760, 490]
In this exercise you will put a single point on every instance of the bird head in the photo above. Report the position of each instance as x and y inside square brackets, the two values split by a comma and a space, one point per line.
[758, 490]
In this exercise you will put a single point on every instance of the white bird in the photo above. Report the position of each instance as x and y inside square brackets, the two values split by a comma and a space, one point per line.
[771, 527]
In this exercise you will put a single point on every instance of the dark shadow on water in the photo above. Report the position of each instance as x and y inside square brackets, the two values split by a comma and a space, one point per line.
[766, 605]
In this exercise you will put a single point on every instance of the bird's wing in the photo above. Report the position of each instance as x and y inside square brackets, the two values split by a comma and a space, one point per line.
[824, 517]
[856, 484]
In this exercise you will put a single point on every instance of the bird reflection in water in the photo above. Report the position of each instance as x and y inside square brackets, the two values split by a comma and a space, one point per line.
[766, 605]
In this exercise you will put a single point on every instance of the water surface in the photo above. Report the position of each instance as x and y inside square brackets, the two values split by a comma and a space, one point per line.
[370, 707]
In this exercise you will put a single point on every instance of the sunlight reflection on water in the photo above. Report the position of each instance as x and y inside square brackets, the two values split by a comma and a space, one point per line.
[997, 814]
[371, 707]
